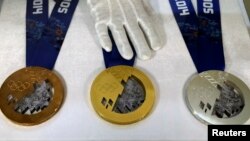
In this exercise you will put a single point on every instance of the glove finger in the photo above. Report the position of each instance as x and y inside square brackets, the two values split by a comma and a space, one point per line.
[150, 33]
[143, 6]
[138, 39]
[122, 42]
[98, 10]
[148, 7]
[104, 39]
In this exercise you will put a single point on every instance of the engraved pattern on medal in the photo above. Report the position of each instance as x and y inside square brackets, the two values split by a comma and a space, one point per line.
[107, 103]
[207, 94]
[228, 103]
[37, 76]
[120, 73]
[35, 101]
[129, 98]
[18, 86]
[222, 77]
[107, 87]
[206, 98]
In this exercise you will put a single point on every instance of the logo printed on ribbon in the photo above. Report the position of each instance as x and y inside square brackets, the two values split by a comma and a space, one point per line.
[38, 7]
[202, 33]
[45, 35]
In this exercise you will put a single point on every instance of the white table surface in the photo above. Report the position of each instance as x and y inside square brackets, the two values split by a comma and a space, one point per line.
[80, 60]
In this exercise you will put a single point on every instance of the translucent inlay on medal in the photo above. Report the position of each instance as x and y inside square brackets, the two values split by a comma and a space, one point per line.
[217, 97]
[229, 104]
[131, 98]
[36, 100]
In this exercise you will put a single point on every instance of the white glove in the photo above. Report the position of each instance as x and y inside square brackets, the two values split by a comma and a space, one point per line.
[121, 17]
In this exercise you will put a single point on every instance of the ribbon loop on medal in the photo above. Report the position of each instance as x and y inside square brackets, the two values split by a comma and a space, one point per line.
[114, 58]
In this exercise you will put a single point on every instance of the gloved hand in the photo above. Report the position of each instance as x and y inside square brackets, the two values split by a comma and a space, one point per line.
[125, 17]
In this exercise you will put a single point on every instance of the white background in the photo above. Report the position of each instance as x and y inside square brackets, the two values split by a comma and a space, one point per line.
[80, 60]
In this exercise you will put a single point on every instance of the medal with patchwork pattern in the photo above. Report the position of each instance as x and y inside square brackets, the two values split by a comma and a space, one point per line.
[213, 96]
[34, 94]
[121, 94]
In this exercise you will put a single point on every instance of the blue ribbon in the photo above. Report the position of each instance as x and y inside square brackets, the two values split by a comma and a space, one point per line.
[202, 34]
[36, 19]
[45, 36]
[114, 58]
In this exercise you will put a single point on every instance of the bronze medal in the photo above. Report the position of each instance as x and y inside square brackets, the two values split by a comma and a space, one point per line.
[31, 95]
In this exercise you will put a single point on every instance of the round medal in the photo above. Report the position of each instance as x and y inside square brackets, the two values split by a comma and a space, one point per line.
[122, 95]
[217, 97]
[31, 95]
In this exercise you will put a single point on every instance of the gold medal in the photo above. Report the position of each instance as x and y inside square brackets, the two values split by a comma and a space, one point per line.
[31, 95]
[122, 95]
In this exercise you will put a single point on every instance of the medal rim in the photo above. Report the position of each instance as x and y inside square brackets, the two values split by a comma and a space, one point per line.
[131, 117]
[241, 118]
[44, 115]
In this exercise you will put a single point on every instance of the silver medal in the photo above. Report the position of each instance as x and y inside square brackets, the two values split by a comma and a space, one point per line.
[217, 97]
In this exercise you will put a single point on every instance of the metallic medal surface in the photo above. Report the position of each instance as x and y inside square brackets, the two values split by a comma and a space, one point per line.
[31, 95]
[122, 95]
[217, 97]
